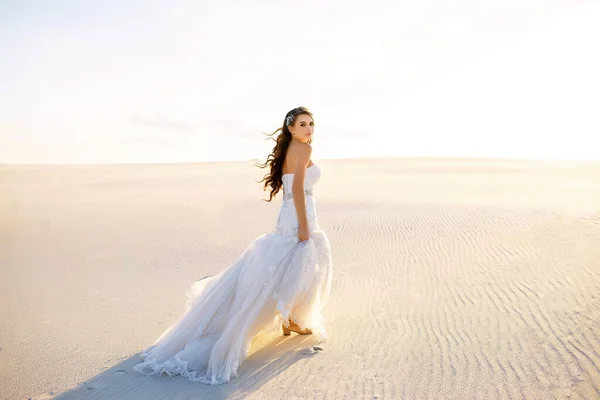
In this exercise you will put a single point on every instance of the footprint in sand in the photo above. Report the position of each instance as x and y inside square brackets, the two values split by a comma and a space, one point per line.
[312, 350]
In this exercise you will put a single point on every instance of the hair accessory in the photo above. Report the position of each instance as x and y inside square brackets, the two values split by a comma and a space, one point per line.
[289, 119]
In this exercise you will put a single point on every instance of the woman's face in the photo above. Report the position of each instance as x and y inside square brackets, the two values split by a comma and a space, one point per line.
[303, 128]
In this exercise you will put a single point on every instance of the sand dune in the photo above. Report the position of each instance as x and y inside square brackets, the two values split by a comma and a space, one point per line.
[453, 278]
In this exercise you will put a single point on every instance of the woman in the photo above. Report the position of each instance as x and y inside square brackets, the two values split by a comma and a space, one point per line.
[282, 277]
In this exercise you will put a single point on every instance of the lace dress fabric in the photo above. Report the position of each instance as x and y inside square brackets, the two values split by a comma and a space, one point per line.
[275, 279]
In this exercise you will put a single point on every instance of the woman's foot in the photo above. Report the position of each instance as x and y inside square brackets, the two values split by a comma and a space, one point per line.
[295, 328]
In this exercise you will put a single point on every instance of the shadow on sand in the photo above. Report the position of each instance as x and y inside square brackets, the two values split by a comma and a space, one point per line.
[122, 382]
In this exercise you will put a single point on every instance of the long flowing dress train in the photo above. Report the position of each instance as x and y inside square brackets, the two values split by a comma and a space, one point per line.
[277, 278]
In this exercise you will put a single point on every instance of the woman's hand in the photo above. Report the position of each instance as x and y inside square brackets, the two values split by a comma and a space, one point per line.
[302, 233]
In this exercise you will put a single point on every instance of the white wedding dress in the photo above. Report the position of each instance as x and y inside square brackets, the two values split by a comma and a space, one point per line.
[276, 278]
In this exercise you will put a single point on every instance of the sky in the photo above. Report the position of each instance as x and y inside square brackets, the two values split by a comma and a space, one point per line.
[188, 81]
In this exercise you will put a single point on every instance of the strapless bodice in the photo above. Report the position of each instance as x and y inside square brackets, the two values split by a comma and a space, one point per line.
[313, 173]
[287, 221]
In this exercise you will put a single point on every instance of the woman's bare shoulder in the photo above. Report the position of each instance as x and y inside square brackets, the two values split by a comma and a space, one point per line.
[300, 149]
[298, 153]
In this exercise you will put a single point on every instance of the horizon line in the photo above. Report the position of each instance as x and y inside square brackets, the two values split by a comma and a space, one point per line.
[424, 157]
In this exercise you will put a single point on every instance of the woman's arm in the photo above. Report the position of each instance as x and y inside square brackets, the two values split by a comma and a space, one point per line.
[302, 159]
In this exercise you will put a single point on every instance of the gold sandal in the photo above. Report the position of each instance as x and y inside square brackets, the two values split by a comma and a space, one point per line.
[287, 331]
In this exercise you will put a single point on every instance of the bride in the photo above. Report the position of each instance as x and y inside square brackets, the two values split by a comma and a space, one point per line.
[282, 278]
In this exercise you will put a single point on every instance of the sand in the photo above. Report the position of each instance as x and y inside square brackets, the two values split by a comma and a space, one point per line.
[453, 278]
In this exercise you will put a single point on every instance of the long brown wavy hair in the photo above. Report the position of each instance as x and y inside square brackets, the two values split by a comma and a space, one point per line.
[276, 159]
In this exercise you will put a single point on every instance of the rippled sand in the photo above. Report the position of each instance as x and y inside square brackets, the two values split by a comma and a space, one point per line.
[453, 278]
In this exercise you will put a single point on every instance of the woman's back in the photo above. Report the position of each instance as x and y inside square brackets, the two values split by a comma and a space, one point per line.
[287, 221]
